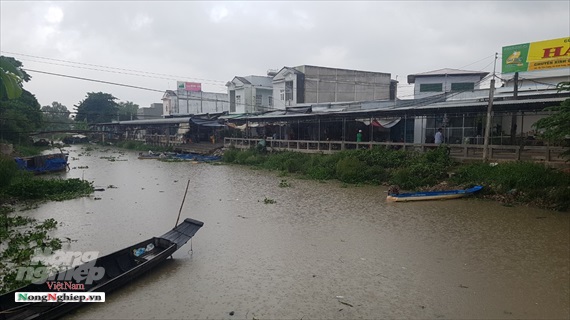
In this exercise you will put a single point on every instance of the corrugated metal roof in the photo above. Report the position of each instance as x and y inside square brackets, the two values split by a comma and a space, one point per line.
[479, 104]
[446, 71]
[150, 121]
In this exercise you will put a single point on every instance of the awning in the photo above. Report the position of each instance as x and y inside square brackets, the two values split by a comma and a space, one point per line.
[388, 123]
[384, 123]
[206, 122]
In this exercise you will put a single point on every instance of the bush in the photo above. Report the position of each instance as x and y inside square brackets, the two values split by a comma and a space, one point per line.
[377, 174]
[525, 182]
[230, 155]
[525, 176]
[415, 176]
[422, 169]
[52, 189]
[242, 157]
[383, 157]
[8, 170]
[322, 167]
[351, 170]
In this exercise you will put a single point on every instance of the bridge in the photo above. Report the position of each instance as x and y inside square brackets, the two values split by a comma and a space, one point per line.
[78, 131]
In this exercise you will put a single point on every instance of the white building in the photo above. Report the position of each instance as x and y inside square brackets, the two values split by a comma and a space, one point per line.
[251, 94]
[444, 81]
[182, 102]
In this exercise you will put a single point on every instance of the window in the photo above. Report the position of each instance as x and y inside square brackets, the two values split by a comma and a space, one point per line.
[463, 86]
[289, 90]
[238, 100]
[270, 101]
[282, 94]
[431, 87]
[258, 100]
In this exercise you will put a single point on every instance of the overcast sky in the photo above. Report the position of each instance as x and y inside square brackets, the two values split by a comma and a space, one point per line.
[152, 44]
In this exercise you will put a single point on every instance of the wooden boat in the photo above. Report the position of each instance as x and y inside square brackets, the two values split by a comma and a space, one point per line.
[179, 156]
[432, 195]
[43, 163]
[119, 268]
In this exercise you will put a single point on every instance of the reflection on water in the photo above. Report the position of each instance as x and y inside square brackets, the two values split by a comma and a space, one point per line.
[321, 251]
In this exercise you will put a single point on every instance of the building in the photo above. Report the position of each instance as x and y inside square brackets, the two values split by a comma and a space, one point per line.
[251, 94]
[183, 102]
[311, 84]
[445, 81]
[152, 112]
[441, 85]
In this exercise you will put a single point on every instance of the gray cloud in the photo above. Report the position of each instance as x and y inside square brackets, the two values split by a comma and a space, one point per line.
[210, 42]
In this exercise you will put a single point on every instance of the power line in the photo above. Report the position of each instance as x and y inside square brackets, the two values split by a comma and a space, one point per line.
[107, 67]
[257, 107]
[93, 80]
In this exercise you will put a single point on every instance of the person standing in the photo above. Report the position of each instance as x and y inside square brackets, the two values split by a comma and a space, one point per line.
[438, 136]
[359, 136]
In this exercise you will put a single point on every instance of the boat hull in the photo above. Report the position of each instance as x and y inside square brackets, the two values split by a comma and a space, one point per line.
[432, 195]
[44, 163]
[121, 267]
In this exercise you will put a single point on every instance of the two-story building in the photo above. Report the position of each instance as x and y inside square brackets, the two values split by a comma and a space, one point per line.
[251, 94]
[445, 81]
[191, 100]
[442, 85]
[312, 84]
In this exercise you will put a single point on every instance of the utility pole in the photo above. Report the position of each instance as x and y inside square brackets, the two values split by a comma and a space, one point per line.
[514, 115]
[489, 113]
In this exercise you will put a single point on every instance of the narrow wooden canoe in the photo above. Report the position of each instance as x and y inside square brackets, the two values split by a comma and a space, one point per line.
[431, 195]
[120, 268]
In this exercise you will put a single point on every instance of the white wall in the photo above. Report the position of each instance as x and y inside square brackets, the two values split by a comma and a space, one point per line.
[419, 129]
[324, 84]
[278, 85]
[189, 102]
[446, 82]
[169, 106]
[265, 94]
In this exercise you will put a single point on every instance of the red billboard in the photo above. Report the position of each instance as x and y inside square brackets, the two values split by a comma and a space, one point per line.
[189, 86]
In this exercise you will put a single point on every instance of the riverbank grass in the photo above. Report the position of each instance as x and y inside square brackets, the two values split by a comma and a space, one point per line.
[511, 183]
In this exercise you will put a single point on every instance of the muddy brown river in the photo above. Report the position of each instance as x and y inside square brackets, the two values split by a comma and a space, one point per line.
[321, 251]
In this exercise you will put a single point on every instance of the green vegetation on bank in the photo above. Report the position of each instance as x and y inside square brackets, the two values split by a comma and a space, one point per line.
[513, 182]
[17, 185]
[20, 236]
[519, 182]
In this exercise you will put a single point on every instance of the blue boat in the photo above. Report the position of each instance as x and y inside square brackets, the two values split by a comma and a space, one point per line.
[44, 163]
[179, 156]
[431, 195]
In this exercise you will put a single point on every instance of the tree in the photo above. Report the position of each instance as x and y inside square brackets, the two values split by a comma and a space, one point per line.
[556, 127]
[128, 111]
[11, 77]
[56, 116]
[19, 117]
[97, 108]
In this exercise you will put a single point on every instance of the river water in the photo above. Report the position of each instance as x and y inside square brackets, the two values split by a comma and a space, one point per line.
[321, 251]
